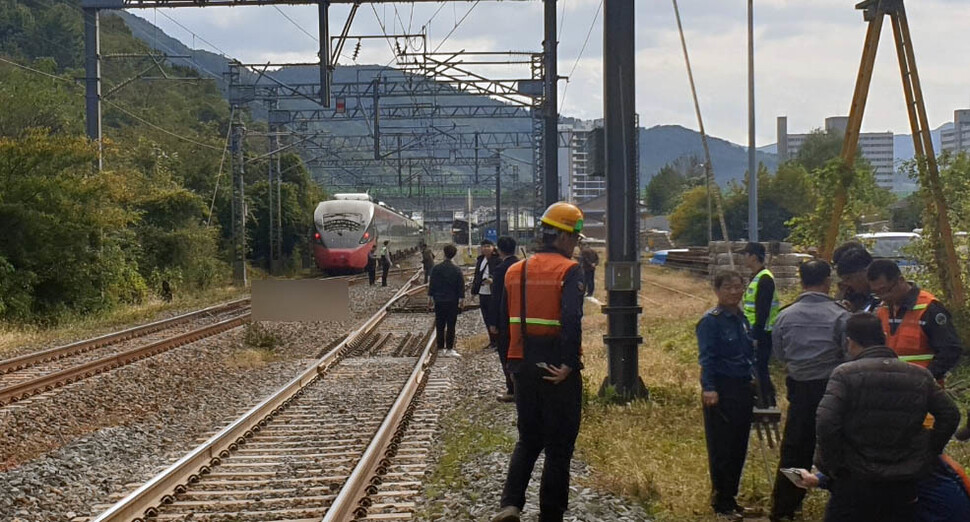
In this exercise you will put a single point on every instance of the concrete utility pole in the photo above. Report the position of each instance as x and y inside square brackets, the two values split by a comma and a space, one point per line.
[275, 248]
[622, 211]
[238, 134]
[550, 138]
[752, 152]
[92, 76]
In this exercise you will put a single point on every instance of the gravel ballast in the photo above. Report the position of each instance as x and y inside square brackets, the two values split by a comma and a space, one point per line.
[67, 451]
[483, 431]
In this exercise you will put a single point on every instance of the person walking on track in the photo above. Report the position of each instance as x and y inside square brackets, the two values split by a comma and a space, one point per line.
[385, 262]
[726, 353]
[761, 307]
[499, 325]
[446, 290]
[808, 338]
[544, 296]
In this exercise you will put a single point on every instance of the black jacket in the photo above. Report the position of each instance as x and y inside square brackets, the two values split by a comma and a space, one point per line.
[500, 308]
[493, 262]
[869, 424]
[446, 284]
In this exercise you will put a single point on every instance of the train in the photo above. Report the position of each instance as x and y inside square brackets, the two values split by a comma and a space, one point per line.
[349, 224]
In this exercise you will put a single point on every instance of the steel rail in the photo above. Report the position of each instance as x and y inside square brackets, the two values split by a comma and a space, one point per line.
[60, 352]
[163, 487]
[352, 500]
[67, 376]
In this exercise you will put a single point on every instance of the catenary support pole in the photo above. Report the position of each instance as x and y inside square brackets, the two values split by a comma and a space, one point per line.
[238, 206]
[550, 131]
[92, 76]
[752, 152]
[498, 193]
[622, 216]
[323, 13]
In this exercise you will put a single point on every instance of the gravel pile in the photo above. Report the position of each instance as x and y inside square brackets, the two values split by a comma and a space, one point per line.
[87, 444]
[482, 474]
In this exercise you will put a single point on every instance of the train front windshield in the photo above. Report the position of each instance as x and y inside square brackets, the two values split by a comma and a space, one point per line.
[342, 226]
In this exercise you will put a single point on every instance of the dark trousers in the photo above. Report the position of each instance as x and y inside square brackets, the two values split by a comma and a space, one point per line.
[727, 427]
[502, 347]
[766, 390]
[798, 444]
[548, 418]
[427, 272]
[385, 266]
[870, 501]
[371, 272]
[445, 317]
[590, 280]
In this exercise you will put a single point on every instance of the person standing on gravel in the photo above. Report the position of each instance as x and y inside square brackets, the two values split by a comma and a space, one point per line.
[385, 262]
[482, 283]
[427, 260]
[499, 326]
[544, 296]
[589, 260]
[446, 290]
[372, 264]
[808, 338]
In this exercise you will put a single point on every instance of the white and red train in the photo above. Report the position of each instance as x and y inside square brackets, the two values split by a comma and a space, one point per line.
[349, 224]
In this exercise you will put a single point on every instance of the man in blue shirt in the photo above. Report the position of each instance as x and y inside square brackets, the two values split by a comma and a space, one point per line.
[726, 355]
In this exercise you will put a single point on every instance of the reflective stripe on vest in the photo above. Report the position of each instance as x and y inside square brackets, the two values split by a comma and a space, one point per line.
[749, 300]
[533, 320]
[910, 341]
[542, 311]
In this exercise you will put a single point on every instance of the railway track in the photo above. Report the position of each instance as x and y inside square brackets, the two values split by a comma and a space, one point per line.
[32, 374]
[332, 444]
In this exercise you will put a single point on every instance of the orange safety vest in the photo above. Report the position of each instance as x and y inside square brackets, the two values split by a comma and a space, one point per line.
[910, 341]
[535, 302]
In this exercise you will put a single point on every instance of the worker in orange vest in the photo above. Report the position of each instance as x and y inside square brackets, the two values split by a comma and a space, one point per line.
[544, 296]
[918, 327]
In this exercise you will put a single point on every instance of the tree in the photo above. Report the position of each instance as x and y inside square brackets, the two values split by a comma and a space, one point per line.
[865, 198]
[664, 190]
[819, 148]
[688, 222]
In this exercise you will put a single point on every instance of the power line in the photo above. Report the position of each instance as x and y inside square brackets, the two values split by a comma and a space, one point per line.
[298, 26]
[222, 162]
[194, 35]
[457, 24]
[156, 127]
[31, 69]
[562, 102]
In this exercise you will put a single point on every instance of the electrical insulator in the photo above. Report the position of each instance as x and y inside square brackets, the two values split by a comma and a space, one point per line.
[356, 51]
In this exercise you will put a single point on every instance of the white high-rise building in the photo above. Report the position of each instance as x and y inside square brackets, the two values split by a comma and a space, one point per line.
[957, 139]
[876, 147]
[582, 185]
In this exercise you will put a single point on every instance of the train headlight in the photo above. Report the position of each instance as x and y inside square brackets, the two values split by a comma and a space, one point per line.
[365, 238]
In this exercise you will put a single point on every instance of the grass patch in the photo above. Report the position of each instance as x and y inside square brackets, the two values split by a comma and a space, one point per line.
[252, 358]
[14, 335]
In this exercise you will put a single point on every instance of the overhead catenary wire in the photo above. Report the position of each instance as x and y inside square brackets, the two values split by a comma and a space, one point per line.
[222, 162]
[562, 101]
[298, 26]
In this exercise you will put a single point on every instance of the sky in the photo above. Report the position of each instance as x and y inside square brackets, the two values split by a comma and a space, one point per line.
[806, 60]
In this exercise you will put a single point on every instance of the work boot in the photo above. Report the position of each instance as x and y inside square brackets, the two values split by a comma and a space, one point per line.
[506, 397]
[508, 514]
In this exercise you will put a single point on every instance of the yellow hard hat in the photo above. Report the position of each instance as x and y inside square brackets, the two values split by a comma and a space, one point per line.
[564, 216]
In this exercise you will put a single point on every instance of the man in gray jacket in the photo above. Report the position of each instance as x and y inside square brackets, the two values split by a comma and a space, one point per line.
[808, 338]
